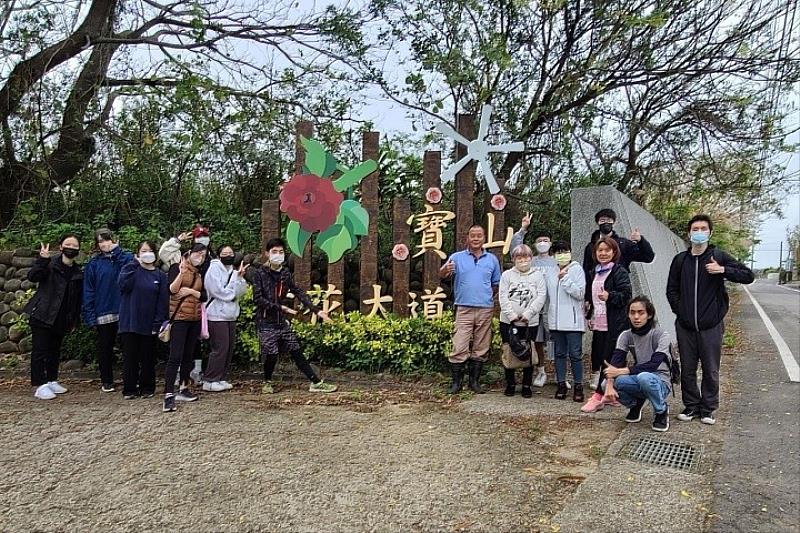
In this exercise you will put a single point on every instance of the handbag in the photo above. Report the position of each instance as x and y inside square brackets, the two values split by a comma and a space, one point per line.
[166, 326]
[518, 351]
[511, 361]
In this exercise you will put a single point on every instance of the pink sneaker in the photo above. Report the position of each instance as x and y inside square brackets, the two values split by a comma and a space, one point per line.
[615, 403]
[594, 404]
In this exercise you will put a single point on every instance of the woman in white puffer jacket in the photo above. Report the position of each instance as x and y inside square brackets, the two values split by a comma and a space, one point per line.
[224, 285]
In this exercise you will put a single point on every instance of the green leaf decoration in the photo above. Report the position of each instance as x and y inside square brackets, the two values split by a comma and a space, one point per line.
[330, 165]
[335, 241]
[316, 157]
[356, 216]
[355, 175]
[296, 237]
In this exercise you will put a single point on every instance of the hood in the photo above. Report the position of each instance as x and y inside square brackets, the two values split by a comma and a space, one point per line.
[596, 235]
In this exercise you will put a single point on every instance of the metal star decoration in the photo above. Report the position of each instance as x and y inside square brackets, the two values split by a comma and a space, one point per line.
[477, 150]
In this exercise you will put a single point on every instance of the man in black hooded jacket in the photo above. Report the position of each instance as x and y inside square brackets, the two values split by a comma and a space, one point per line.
[696, 293]
[635, 249]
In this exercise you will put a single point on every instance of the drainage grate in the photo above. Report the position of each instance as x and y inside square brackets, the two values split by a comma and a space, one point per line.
[663, 453]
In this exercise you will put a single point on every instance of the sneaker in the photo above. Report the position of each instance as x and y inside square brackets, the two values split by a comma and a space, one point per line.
[225, 384]
[661, 421]
[568, 384]
[688, 414]
[56, 387]
[213, 386]
[561, 391]
[614, 403]
[708, 418]
[541, 378]
[196, 376]
[267, 388]
[595, 380]
[594, 404]
[322, 387]
[185, 395]
[148, 394]
[577, 394]
[43, 392]
[527, 392]
[635, 413]
[128, 396]
[169, 403]
[107, 387]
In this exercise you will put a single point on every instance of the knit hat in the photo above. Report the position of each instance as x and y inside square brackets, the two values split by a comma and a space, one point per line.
[199, 231]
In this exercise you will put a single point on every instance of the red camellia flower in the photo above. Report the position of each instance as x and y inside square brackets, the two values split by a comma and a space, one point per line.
[433, 195]
[498, 202]
[400, 252]
[311, 201]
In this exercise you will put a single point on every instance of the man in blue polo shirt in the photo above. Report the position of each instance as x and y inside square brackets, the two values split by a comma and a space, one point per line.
[477, 274]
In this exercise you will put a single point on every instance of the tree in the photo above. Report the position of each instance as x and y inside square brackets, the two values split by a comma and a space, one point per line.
[71, 62]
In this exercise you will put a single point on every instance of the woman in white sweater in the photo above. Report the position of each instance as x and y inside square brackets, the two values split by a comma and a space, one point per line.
[224, 285]
[523, 292]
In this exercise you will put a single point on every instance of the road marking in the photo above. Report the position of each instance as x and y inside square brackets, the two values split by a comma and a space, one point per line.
[792, 368]
[789, 288]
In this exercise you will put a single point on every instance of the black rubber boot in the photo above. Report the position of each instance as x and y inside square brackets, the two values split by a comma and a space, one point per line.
[511, 384]
[561, 392]
[527, 380]
[475, 368]
[457, 373]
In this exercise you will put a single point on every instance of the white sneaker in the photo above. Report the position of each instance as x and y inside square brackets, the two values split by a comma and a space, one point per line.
[56, 387]
[225, 384]
[196, 376]
[541, 378]
[595, 379]
[213, 386]
[43, 392]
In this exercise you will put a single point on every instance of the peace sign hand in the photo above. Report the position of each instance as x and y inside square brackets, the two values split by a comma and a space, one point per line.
[44, 251]
[526, 221]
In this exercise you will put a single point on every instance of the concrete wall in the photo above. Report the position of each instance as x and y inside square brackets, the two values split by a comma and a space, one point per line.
[14, 267]
[648, 279]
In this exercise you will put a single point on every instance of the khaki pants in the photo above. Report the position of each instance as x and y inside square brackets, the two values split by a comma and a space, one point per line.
[472, 338]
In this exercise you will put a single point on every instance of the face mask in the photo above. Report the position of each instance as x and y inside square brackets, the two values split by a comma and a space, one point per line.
[523, 265]
[606, 228]
[203, 240]
[699, 237]
[543, 247]
[195, 261]
[276, 259]
[227, 260]
[107, 247]
[147, 258]
[70, 253]
[563, 258]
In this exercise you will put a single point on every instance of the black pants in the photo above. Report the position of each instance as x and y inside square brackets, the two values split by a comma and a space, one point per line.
[603, 350]
[270, 360]
[45, 354]
[182, 341]
[703, 347]
[104, 346]
[138, 364]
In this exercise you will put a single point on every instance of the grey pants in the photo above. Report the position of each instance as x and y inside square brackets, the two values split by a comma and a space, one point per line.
[704, 347]
[222, 338]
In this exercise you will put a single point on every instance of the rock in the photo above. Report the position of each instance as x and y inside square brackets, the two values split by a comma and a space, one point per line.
[12, 285]
[4, 308]
[8, 347]
[22, 262]
[9, 297]
[492, 376]
[72, 364]
[6, 257]
[3, 333]
[22, 273]
[26, 252]
[11, 272]
[17, 305]
[27, 285]
[2, 282]
[8, 318]
[26, 344]
[15, 333]
[3, 269]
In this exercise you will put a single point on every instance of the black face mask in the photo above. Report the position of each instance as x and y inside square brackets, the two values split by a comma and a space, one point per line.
[606, 228]
[228, 260]
[70, 253]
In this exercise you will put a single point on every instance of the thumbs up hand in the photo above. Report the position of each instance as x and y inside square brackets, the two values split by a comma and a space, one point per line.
[636, 236]
[712, 267]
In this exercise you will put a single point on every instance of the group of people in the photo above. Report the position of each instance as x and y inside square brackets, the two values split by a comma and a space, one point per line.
[548, 295]
[193, 294]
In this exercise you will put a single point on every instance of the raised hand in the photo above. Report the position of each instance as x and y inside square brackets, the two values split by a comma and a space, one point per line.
[636, 236]
[526, 221]
[44, 251]
[185, 236]
[712, 267]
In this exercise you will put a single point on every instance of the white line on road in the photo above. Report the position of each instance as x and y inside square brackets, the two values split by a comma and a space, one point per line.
[789, 288]
[792, 368]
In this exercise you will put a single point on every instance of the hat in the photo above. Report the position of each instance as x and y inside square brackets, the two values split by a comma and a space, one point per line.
[199, 231]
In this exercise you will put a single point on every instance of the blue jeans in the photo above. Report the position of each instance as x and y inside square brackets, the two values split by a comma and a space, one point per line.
[644, 386]
[568, 343]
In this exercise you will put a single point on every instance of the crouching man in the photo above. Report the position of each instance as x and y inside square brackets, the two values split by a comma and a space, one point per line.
[649, 377]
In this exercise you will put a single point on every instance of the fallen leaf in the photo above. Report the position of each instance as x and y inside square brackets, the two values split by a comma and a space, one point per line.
[685, 494]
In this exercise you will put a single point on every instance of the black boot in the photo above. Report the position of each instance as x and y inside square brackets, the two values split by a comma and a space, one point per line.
[511, 384]
[527, 379]
[561, 392]
[475, 368]
[577, 393]
[457, 372]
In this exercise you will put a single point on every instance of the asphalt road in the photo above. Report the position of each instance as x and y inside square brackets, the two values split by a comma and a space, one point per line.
[782, 305]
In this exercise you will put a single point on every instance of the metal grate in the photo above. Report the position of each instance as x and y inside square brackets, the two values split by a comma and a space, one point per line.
[663, 453]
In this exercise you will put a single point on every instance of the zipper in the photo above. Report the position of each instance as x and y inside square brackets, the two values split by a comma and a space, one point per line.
[558, 287]
[696, 279]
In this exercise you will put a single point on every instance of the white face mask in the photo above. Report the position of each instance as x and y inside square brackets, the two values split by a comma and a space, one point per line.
[543, 247]
[523, 265]
[107, 246]
[276, 259]
[203, 240]
[147, 258]
[195, 261]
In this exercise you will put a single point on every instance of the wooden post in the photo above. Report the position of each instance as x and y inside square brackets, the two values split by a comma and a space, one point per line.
[302, 267]
[431, 177]
[401, 270]
[465, 183]
[270, 223]
[336, 277]
[499, 222]
[369, 200]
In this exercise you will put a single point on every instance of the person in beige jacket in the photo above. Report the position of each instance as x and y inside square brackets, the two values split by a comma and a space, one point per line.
[523, 292]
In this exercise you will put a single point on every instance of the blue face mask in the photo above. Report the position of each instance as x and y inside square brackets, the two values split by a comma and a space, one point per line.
[698, 237]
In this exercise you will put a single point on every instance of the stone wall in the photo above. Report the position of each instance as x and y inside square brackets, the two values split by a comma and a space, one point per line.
[14, 267]
[648, 279]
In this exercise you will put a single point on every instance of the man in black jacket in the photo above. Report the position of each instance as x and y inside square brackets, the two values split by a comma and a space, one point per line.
[696, 293]
[635, 249]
